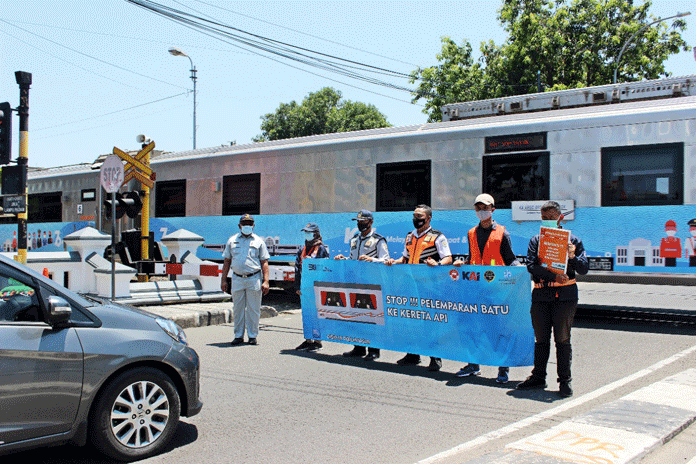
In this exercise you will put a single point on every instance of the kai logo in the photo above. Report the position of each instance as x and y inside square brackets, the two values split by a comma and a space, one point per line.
[507, 274]
[489, 275]
[454, 275]
[472, 276]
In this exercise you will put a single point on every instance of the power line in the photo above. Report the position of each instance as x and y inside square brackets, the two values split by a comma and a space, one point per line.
[91, 57]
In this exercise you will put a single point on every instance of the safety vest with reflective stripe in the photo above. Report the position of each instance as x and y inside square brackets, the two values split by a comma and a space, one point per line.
[421, 248]
[491, 252]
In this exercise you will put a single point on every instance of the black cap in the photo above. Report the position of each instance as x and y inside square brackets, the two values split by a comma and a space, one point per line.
[363, 215]
[692, 223]
[311, 227]
[247, 219]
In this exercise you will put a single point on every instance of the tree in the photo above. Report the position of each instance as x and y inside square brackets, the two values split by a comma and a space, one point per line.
[321, 112]
[564, 43]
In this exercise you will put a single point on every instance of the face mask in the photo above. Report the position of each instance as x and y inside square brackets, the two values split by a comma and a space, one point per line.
[553, 223]
[484, 215]
[363, 226]
[246, 230]
[693, 233]
[308, 236]
[671, 233]
[418, 223]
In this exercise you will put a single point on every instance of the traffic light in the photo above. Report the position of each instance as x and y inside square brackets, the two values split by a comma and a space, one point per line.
[128, 203]
[131, 203]
[5, 133]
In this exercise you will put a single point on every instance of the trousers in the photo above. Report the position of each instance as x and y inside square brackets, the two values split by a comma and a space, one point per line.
[557, 316]
[246, 297]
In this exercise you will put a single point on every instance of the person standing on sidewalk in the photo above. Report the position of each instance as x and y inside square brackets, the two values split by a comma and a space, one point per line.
[554, 301]
[313, 248]
[247, 255]
[424, 245]
[366, 245]
[489, 245]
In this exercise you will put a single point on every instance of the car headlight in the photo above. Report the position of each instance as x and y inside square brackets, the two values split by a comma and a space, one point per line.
[173, 330]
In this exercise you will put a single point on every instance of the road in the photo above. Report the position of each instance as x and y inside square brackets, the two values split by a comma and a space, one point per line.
[270, 403]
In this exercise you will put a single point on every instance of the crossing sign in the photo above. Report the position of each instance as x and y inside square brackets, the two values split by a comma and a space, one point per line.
[136, 166]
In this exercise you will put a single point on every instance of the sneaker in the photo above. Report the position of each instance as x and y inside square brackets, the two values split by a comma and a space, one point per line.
[532, 383]
[315, 346]
[502, 376]
[435, 364]
[356, 352]
[304, 345]
[237, 341]
[252, 341]
[469, 369]
[409, 360]
[372, 355]
[565, 390]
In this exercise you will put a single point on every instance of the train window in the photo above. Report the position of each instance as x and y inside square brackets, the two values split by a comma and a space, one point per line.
[170, 198]
[45, 207]
[643, 175]
[518, 177]
[88, 195]
[241, 194]
[403, 186]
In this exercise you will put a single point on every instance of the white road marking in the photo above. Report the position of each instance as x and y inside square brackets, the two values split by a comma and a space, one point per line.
[508, 429]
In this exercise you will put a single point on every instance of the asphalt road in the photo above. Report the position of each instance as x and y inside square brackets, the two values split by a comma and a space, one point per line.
[271, 404]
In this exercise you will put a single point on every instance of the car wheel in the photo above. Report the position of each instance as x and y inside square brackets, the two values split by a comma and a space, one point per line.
[135, 415]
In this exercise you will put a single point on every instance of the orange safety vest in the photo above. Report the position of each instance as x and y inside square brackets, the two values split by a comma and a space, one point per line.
[491, 252]
[421, 248]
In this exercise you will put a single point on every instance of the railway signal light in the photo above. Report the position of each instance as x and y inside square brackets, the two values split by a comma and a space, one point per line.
[128, 203]
[5, 133]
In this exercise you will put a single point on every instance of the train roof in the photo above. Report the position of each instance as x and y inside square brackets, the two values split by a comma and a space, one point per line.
[681, 103]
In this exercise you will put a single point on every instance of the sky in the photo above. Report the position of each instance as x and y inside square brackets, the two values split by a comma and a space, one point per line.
[102, 74]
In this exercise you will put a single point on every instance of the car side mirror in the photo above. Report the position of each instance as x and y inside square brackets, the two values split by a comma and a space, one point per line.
[59, 311]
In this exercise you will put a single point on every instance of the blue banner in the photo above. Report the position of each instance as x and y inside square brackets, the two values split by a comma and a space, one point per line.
[477, 314]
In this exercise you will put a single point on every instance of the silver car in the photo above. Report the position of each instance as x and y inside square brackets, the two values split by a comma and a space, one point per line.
[78, 369]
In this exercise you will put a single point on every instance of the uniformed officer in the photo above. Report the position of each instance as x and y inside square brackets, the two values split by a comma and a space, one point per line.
[366, 245]
[247, 255]
[424, 245]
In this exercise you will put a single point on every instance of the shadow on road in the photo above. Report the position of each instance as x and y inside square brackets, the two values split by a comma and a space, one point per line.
[185, 435]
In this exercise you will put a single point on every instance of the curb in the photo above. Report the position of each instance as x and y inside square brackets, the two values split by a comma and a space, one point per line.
[619, 432]
[187, 315]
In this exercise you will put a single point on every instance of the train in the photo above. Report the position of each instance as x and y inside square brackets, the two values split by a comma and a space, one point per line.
[620, 158]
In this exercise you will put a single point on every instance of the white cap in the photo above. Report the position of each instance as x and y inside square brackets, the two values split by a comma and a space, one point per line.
[485, 198]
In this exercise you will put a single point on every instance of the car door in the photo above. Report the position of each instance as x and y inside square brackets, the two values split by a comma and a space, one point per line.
[41, 368]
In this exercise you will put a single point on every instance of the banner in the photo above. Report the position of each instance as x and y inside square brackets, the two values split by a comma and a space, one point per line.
[477, 314]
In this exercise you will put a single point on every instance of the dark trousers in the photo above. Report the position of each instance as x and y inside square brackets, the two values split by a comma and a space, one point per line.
[557, 316]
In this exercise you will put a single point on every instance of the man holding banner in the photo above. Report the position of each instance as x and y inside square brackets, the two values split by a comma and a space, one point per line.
[424, 245]
[366, 245]
[489, 245]
[554, 300]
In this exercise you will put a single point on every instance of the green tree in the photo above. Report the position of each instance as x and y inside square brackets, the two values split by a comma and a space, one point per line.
[566, 43]
[321, 112]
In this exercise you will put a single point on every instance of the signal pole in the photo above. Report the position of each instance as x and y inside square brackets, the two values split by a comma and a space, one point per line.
[24, 81]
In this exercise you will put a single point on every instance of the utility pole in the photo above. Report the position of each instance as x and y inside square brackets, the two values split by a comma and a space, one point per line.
[24, 81]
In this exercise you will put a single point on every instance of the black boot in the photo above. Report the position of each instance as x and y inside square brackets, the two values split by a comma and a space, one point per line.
[564, 357]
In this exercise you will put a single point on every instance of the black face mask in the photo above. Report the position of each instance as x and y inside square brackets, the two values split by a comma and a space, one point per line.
[363, 226]
[418, 223]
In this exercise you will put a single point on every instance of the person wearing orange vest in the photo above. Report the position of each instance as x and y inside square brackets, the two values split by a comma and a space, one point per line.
[424, 245]
[554, 301]
[313, 248]
[489, 245]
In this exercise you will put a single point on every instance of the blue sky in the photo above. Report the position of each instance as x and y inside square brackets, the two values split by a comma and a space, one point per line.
[102, 73]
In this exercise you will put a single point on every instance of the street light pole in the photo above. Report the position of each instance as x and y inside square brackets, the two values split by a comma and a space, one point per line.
[177, 52]
[658, 20]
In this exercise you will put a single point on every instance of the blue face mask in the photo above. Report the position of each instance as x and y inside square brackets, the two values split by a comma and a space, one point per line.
[246, 230]
[553, 223]
[308, 236]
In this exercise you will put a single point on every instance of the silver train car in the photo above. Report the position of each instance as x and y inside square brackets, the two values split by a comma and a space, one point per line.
[624, 155]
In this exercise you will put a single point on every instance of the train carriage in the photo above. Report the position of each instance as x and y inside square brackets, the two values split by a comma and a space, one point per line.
[621, 158]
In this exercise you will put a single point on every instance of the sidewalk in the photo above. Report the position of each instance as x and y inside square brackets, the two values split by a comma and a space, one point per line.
[622, 431]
